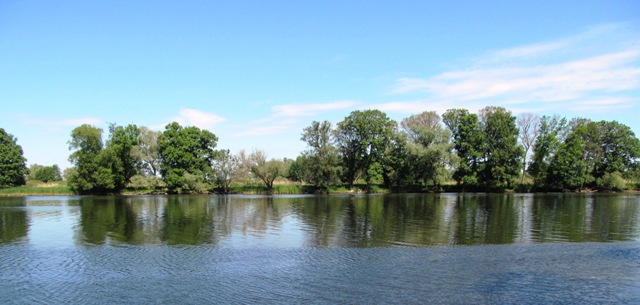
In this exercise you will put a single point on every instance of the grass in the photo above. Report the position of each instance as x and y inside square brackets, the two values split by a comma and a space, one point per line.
[34, 188]
[41, 189]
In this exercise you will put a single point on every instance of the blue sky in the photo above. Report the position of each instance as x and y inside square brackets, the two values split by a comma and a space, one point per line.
[256, 73]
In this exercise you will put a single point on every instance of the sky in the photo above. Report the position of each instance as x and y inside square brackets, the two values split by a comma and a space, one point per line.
[255, 73]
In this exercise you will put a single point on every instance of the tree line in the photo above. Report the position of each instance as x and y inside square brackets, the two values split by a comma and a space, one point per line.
[492, 150]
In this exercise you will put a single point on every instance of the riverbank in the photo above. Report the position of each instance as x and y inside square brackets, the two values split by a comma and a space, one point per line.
[61, 189]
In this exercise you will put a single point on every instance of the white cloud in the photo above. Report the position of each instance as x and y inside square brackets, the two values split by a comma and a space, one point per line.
[198, 118]
[557, 73]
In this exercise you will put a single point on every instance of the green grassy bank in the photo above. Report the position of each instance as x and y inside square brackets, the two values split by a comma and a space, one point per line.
[53, 189]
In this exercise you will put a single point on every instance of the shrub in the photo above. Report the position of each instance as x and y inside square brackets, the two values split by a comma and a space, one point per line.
[611, 182]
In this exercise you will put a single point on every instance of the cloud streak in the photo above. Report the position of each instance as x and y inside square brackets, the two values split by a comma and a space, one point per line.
[287, 117]
[534, 74]
[198, 118]
[297, 110]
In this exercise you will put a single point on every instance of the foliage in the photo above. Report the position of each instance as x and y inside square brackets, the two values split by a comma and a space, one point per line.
[593, 155]
[297, 169]
[145, 182]
[429, 150]
[620, 149]
[468, 142]
[86, 141]
[68, 172]
[611, 182]
[185, 150]
[103, 170]
[119, 155]
[33, 168]
[48, 174]
[502, 154]
[362, 139]
[567, 170]
[320, 163]
[548, 141]
[148, 152]
[13, 168]
[267, 171]
[225, 168]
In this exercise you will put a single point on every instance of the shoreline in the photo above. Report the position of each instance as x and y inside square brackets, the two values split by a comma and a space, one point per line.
[301, 193]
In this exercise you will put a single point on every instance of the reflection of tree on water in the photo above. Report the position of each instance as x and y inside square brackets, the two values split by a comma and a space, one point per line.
[14, 223]
[103, 219]
[582, 218]
[349, 221]
[188, 220]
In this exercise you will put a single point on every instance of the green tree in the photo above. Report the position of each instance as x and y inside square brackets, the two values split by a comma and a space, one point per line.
[619, 146]
[48, 174]
[267, 171]
[102, 169]
[13, 168]
[468, 142]
[398, 163]
[568, 168]
[296, 170]
[119, 156]
[548, 141]
[185, 150]
[33, 168]
[148, 152]
[362, 139]
[225, 168]
[86, 143]
[502, 154]
[321, 159]
[430, 149]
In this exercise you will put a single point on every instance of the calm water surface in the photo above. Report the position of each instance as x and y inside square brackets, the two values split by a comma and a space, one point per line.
[433, 248]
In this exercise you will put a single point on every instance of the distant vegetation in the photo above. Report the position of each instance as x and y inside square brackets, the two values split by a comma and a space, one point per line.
[491, 150]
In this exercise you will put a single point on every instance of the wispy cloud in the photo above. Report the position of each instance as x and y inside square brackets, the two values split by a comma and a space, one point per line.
[568, 72]
[297, 110]
[287, 117]
[198, 118]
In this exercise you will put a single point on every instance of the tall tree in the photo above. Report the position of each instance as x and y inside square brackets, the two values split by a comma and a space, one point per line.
[13, 167]
[619, 146]
[362, 139]
[568, 168]
[119, 156]
[148, 151]
[185, 152]
[86, 143]
[502, 154]
[267, 171]
[430, 149]
[528, 126]
[550, 137]
[451, 119]
[225, 168]
[321, 159]
[468, 142]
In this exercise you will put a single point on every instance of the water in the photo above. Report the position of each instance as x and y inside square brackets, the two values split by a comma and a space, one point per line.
[403, 249]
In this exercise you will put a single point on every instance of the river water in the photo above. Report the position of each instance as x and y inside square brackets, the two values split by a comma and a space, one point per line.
[335, 249]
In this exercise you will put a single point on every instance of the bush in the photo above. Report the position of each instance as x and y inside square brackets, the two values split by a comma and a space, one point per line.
[611, 182]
